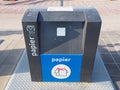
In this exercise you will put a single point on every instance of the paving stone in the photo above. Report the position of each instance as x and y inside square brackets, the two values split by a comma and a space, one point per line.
[107, 59]
[113, 69]
[116, 58]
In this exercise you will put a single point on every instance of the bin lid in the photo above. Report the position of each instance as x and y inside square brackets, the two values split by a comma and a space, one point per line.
[62, 16]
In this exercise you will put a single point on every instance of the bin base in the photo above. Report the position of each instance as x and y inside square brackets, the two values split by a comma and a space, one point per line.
[21, 79]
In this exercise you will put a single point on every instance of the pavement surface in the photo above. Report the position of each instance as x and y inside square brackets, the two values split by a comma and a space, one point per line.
[12, 41]
[21, 79]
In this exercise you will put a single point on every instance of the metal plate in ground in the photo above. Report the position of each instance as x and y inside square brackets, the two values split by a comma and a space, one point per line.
[20, 79]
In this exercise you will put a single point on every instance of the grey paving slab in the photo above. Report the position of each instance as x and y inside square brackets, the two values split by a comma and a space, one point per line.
[107, 58]
[110, 35]
[20, 79]
[116, 57]
[113, 69]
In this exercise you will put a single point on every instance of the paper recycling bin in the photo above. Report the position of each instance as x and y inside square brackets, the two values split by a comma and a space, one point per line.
[61, 43]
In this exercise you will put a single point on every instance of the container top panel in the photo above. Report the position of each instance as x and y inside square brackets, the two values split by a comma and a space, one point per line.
[62, 16]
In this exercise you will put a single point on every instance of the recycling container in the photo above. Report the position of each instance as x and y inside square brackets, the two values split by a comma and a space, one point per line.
[61, 43]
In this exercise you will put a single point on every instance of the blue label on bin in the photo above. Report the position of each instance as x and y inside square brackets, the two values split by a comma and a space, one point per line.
[61, 67]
